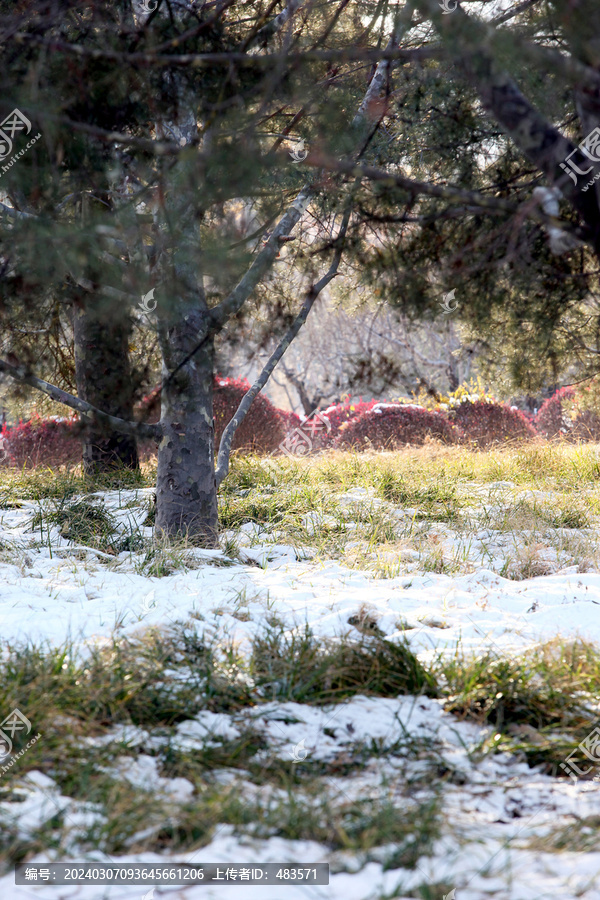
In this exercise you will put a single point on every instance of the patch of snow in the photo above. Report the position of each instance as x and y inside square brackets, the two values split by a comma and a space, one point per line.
[142, 772]
[203, 729]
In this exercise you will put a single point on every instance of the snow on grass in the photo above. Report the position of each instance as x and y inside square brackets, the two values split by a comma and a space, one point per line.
[454, 556]
[492, 809]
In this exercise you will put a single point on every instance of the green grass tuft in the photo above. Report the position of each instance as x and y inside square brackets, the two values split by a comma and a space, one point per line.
[299, 667]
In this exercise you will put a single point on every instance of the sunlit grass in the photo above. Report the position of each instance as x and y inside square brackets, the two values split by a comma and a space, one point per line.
[358, 507]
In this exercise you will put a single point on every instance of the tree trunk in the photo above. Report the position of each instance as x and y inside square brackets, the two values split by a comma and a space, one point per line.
[186, 487]
[104, 379]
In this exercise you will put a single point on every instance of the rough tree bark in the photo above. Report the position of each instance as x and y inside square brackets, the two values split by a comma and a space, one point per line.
[103, 378]
[186, 491]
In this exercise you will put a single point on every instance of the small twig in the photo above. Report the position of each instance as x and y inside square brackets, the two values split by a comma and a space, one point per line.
[86, 549]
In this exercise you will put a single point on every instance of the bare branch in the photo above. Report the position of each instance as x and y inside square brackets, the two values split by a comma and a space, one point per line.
[81, 406]
[313, 293]
[473, 198]
[243, 60]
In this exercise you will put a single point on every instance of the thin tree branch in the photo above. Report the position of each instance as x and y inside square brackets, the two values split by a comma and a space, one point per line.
[206, 25]
[113, 293]
[243, 60]
[81, 406]
[158, 148]
[447, 192]
[232, 304]
[265, 34]
[575, 71]
[511, 13]
[229, 433]
[15, 213]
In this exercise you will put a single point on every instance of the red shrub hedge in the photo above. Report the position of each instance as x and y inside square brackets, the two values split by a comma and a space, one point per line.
[341, 413]
[263, 429]
[484, 423]
[567, 414]
[551, 421]
[336, 415]
[586, 426]
[387, 427]
[290, 419]
[45, 442]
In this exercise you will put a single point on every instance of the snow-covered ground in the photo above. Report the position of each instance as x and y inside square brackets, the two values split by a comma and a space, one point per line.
[497, 811]
[46, 598]
[492, 811]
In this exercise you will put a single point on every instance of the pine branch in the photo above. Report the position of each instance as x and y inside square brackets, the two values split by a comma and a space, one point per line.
[247, 60]
[471, 43]
[447, 192]
[88, 411]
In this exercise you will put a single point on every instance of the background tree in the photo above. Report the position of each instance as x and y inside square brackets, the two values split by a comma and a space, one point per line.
[353, 347]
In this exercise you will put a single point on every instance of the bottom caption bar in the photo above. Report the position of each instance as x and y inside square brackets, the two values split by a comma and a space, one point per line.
[178, 874]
